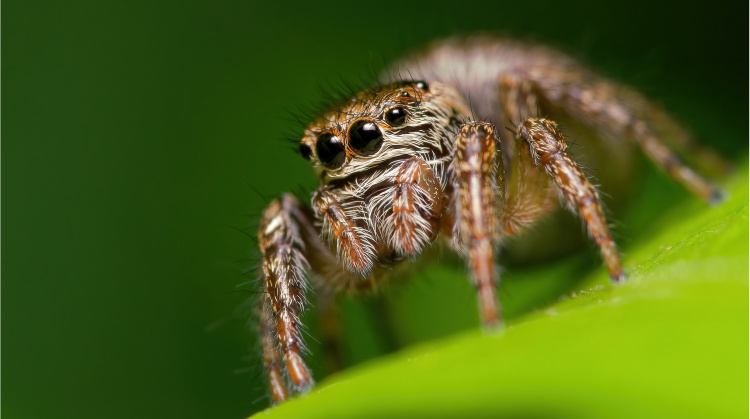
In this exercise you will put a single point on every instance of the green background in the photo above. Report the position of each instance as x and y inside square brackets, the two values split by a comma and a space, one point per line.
[140, 136]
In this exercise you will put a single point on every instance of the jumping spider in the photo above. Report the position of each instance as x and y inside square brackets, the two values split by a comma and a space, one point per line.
[404, 164]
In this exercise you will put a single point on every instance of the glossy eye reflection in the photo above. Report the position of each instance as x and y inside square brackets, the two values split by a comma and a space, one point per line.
[395, 116]
[305, 151]
[422, 85]
[365, 137]
[330, 151]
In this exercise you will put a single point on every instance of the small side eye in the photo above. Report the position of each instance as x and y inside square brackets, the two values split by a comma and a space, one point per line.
[330, 151]
[395, 116]
[365, 138]
[422, 85]
[305, 151]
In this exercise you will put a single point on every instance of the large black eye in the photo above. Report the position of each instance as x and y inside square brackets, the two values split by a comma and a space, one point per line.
[422, 85]
[305, 151]
[330, 151]
[395, 116]
[365, 137]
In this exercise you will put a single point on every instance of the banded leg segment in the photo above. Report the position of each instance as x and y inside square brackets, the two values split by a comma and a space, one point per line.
[548, 148]
[272, 360]
[475, 190]
[285, 283]
[619, 112]
[528, 193]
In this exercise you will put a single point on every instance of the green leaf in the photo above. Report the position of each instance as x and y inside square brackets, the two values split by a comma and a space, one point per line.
[672, 341]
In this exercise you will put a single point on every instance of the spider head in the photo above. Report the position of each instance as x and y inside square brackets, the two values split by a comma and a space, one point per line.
[382, 126]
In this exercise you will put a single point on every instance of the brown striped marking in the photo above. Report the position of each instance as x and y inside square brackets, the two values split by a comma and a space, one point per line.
[284, 269]
[475, 184]
[549, 149]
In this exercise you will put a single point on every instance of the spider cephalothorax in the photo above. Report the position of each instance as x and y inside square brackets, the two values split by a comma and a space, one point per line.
[381, 159]
[403, 164]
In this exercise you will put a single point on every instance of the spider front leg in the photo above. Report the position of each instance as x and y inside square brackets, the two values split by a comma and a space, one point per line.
[272, 359]
[549, 149]
[291, 248]
[284, 280]
[475, 190]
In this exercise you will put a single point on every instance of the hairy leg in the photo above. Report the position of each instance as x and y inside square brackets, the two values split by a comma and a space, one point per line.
[528, 192]
[549, 149]
[272, 360]
[291, 247]
[475, 190]
[618, 112]
[284, 278]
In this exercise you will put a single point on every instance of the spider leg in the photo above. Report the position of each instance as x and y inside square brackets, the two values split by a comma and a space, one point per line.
[290, 245]
[272, 361]
[284, 279]
[475, 189]
[549, 149]
[684, 141]
[528, 193]
[619, 112]
[671, 163]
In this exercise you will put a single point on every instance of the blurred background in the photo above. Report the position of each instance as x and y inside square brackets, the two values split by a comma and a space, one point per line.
[142, 139]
